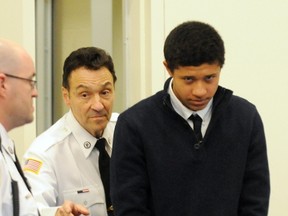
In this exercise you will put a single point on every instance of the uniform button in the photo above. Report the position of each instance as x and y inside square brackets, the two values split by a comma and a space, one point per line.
[10, 150]
[197, 145]
[28, 196]
[87, 145]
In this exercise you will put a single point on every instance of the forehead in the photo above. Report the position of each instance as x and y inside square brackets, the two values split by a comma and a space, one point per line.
[30, 66]
[21, 63]
[204, 69]
[84, 76]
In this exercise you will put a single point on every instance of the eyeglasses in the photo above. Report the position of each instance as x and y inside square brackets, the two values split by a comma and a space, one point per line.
[31, 81]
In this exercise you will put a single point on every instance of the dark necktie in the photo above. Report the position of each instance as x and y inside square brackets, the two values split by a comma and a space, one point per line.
[19, 168]
[197, 121]
[14, 185]
[104, 167]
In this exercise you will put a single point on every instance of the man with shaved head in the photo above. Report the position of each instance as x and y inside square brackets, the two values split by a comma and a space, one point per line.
[17, 90]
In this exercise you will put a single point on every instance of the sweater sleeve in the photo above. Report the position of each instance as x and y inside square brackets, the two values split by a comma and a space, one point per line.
[129, 181]
[255, 193]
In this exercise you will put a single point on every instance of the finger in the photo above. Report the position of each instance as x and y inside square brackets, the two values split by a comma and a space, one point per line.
[60, 212]
[79, 209]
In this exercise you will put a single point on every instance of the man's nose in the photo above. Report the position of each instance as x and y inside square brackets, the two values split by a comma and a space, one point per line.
[199, 89]
[97, 103]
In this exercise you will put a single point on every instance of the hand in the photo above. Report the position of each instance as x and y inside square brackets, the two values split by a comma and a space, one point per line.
[71, 209]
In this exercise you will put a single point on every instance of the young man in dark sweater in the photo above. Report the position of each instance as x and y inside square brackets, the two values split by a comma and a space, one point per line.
[165, 163]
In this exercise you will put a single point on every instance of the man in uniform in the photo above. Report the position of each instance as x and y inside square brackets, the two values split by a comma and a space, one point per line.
[17, 90]
[62, 163]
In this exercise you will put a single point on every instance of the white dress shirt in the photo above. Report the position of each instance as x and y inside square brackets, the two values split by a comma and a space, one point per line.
[62, 164]
[8, 171]
[183, 111]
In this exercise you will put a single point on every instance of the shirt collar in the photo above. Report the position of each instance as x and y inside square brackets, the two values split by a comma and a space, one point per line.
[184, 111]
[6, 143]
[85, 140]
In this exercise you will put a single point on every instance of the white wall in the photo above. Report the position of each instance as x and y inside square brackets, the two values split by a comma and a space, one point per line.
[17, 21]
[255, 35]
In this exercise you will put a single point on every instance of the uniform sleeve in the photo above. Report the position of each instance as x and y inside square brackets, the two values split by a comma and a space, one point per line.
[255, 194]
[41, 178]
[129, 181]
[5, 189]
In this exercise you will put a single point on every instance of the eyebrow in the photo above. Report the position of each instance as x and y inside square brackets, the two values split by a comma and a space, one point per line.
[108, 83]
[210, 74]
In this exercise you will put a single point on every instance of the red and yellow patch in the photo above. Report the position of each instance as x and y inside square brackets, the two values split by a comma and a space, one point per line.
[32, 165]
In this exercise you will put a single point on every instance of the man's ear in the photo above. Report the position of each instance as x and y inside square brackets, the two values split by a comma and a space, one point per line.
[3, 87]
[65, 95]
[2, 78]
[167, 68]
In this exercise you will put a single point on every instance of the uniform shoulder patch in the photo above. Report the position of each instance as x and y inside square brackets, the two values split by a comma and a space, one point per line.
[32, 165]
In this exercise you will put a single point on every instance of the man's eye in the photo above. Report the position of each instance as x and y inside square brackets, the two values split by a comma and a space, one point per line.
[188, 79]
[84, 95]
[209, 78]
[106, 92]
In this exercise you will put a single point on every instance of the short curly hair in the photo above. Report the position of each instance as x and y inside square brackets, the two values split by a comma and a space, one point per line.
[193, 43]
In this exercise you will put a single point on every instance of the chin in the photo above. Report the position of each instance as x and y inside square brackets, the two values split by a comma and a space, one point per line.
[100, 125]
[102, 121]
[29, 120]
[196, 108]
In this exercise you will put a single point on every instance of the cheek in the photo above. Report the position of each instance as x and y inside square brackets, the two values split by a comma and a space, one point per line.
[182, 92]
[108, 104]
[212, 89]
[79, 108]
[83, 109]
[186, 91]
